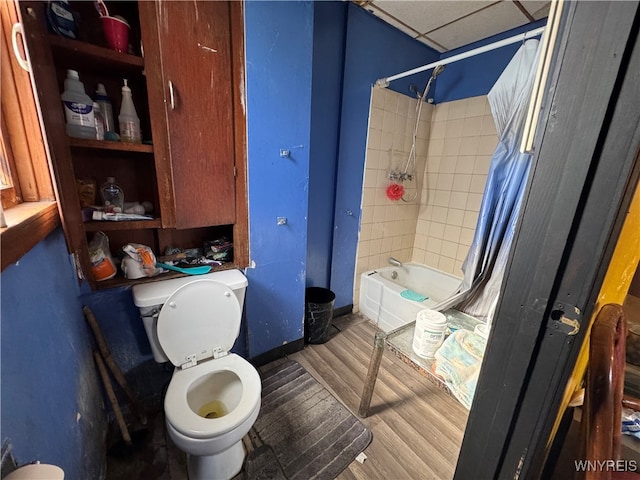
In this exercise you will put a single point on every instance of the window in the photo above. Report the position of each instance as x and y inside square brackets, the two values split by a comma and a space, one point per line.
[27, 194]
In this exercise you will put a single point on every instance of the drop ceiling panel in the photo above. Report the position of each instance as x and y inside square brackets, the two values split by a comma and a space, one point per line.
[425, 16]
[429, 43]
[485, 23]
[536, 9]
[390, 20]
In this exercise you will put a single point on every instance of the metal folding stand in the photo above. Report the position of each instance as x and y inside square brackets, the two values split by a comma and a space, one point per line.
[399, 342]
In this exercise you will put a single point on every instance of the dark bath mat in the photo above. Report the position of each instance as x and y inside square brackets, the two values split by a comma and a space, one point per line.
[304, 429]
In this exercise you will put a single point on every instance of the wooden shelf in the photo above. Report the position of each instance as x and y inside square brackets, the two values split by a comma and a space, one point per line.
[104, 145]
[120, 281]
[76, 52]
[110, 226]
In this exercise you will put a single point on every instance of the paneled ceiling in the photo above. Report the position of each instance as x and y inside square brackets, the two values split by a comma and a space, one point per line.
[448, 24]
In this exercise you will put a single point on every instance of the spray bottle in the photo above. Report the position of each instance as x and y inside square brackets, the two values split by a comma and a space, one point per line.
[128, 118]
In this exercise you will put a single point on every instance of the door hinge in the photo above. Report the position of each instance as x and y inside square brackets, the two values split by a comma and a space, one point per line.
[566, 318]
[235, 171]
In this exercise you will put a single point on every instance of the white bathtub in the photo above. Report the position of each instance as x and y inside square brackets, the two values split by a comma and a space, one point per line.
[380, 298]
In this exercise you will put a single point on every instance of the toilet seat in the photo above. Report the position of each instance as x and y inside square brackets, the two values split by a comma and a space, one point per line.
[180, 415]
[190, 329]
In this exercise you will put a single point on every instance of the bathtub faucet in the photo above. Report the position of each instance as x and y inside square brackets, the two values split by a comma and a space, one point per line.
[395, 262]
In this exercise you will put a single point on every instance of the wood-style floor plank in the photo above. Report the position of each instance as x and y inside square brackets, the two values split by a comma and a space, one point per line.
[417, 427]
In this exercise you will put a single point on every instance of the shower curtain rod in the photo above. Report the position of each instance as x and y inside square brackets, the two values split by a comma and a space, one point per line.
[521, 37]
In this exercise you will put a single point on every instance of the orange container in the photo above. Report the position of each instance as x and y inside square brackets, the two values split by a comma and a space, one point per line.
[102, 266]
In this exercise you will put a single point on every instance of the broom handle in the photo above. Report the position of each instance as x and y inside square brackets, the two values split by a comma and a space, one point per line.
[108, 359]
[112, 397]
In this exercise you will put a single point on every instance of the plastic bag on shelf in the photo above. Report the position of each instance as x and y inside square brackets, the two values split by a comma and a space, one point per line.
[139, 261]
[458, 363]
[102, 265]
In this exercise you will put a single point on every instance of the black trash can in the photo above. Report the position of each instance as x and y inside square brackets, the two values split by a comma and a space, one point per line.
[318, 314]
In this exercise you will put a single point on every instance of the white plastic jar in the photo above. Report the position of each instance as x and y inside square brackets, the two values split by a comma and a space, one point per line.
[429, 333]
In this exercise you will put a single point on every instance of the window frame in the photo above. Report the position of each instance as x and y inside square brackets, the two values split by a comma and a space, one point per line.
[30, 206]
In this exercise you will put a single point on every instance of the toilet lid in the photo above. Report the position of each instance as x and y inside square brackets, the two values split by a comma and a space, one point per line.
[199, 318]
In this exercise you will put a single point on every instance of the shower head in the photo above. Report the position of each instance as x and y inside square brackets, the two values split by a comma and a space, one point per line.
[437, 71]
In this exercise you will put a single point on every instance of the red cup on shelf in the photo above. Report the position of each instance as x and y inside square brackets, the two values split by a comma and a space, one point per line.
[116, 32]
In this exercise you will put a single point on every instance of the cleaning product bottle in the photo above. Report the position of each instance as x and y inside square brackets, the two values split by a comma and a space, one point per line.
[112, 196]
[99, 121]
[106, 107]
[78, 108]
[128, 118]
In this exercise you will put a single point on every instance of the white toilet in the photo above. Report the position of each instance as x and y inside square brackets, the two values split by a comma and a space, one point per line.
[213, 398]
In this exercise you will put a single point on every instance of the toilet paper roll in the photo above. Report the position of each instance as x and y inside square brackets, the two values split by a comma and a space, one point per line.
[37, 471]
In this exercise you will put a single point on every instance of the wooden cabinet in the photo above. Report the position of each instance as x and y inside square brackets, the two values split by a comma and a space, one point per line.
[186, 72]
[194, 83]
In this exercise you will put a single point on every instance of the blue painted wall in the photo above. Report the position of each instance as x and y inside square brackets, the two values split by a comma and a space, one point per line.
[51, 396]
[374, 50]
[329, 31]
[279, 52]
[475, 76]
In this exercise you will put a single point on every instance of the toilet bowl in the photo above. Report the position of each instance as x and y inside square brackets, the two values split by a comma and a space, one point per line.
[213, 397]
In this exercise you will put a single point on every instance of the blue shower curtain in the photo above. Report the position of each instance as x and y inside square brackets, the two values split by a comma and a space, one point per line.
[486, 260]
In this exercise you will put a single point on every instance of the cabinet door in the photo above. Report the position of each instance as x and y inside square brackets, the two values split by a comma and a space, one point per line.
[188, 61]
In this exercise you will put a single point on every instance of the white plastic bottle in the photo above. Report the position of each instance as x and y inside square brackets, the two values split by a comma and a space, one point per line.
[105, 107]
[99, 121]
[128, 118]
[78, 108]
[112, 196]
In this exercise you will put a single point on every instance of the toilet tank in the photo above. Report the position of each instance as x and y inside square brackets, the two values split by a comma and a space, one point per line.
[149, 298]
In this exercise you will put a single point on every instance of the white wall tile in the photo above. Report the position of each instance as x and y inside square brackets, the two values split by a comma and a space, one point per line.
[455, 217]
[469, 219]
[445, 181]
[375, 119]
[465, 164]
[488, 126]
[461, 183]
[446, 264]
[377, 97]
[487, 145]
[437, 130]
[469, 145]
[477, 183]
[466, 236]
[457, 109]
[453, 128]
[449, 249]
[472, 127]
[458, 200]
[436, 230]
[476, 106]
[451, 146]
[391, 101]
[455, 143]
[452, 233]
[481, 164]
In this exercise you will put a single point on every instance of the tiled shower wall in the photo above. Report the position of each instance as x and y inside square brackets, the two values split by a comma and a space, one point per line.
[456, 141]
[388, 227]
[462, 142]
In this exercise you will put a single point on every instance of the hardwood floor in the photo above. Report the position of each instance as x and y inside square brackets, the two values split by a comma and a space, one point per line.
[417, 427]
